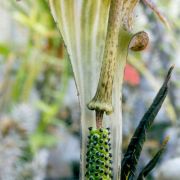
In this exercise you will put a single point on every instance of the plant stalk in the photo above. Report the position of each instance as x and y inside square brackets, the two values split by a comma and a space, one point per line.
[99, 119]
[102, 100]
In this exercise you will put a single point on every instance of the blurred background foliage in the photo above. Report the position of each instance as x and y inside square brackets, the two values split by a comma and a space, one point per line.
[39, 111]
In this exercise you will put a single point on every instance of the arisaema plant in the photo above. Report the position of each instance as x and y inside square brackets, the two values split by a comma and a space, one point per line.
[98, 35]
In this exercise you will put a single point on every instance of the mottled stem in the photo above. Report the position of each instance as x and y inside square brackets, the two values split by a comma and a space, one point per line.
[99, 118]
[102, 100]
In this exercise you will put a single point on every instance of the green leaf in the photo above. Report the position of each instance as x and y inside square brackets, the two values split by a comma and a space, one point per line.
[133, 152]
[150, 166]
[40, 140]
[4, 49]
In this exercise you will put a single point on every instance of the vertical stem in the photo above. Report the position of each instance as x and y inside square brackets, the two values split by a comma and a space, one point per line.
[102, 100]
[99, 118]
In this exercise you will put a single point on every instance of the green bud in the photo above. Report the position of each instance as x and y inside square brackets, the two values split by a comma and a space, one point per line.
[98, 164]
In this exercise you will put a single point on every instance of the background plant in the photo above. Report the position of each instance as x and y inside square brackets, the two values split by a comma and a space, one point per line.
[149, 68]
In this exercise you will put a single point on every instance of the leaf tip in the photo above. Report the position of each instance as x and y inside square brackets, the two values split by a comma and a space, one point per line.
[169, 74]
[166, 140]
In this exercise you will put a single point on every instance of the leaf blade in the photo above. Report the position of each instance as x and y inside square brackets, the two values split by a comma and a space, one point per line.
[152, 163]
[132, 154]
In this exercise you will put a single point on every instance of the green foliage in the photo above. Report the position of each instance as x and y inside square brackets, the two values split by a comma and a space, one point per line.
[134, 149]
[39, 66]
[4, 50]
[150, 166]
[41, 140]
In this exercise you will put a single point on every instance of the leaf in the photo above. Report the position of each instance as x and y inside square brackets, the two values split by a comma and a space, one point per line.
[155, 9]
[83, 26]
[132, 154]
[4, 50]
[39, 140]
[148, 168]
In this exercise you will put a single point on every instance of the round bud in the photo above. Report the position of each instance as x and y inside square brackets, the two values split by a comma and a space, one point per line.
[104, 136]
[101, 130]
[102, 155]
[96, 174]
[98, 161]
[97, 166]
[92, 158]
[98, 154]
[95, 136]
[106, 143]
[102, 163]
[90, 128]
[101, 171]
[108, 128]
[105, 173]
[101, 141]
[106, 158]
[91, 178]
[139, 41]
